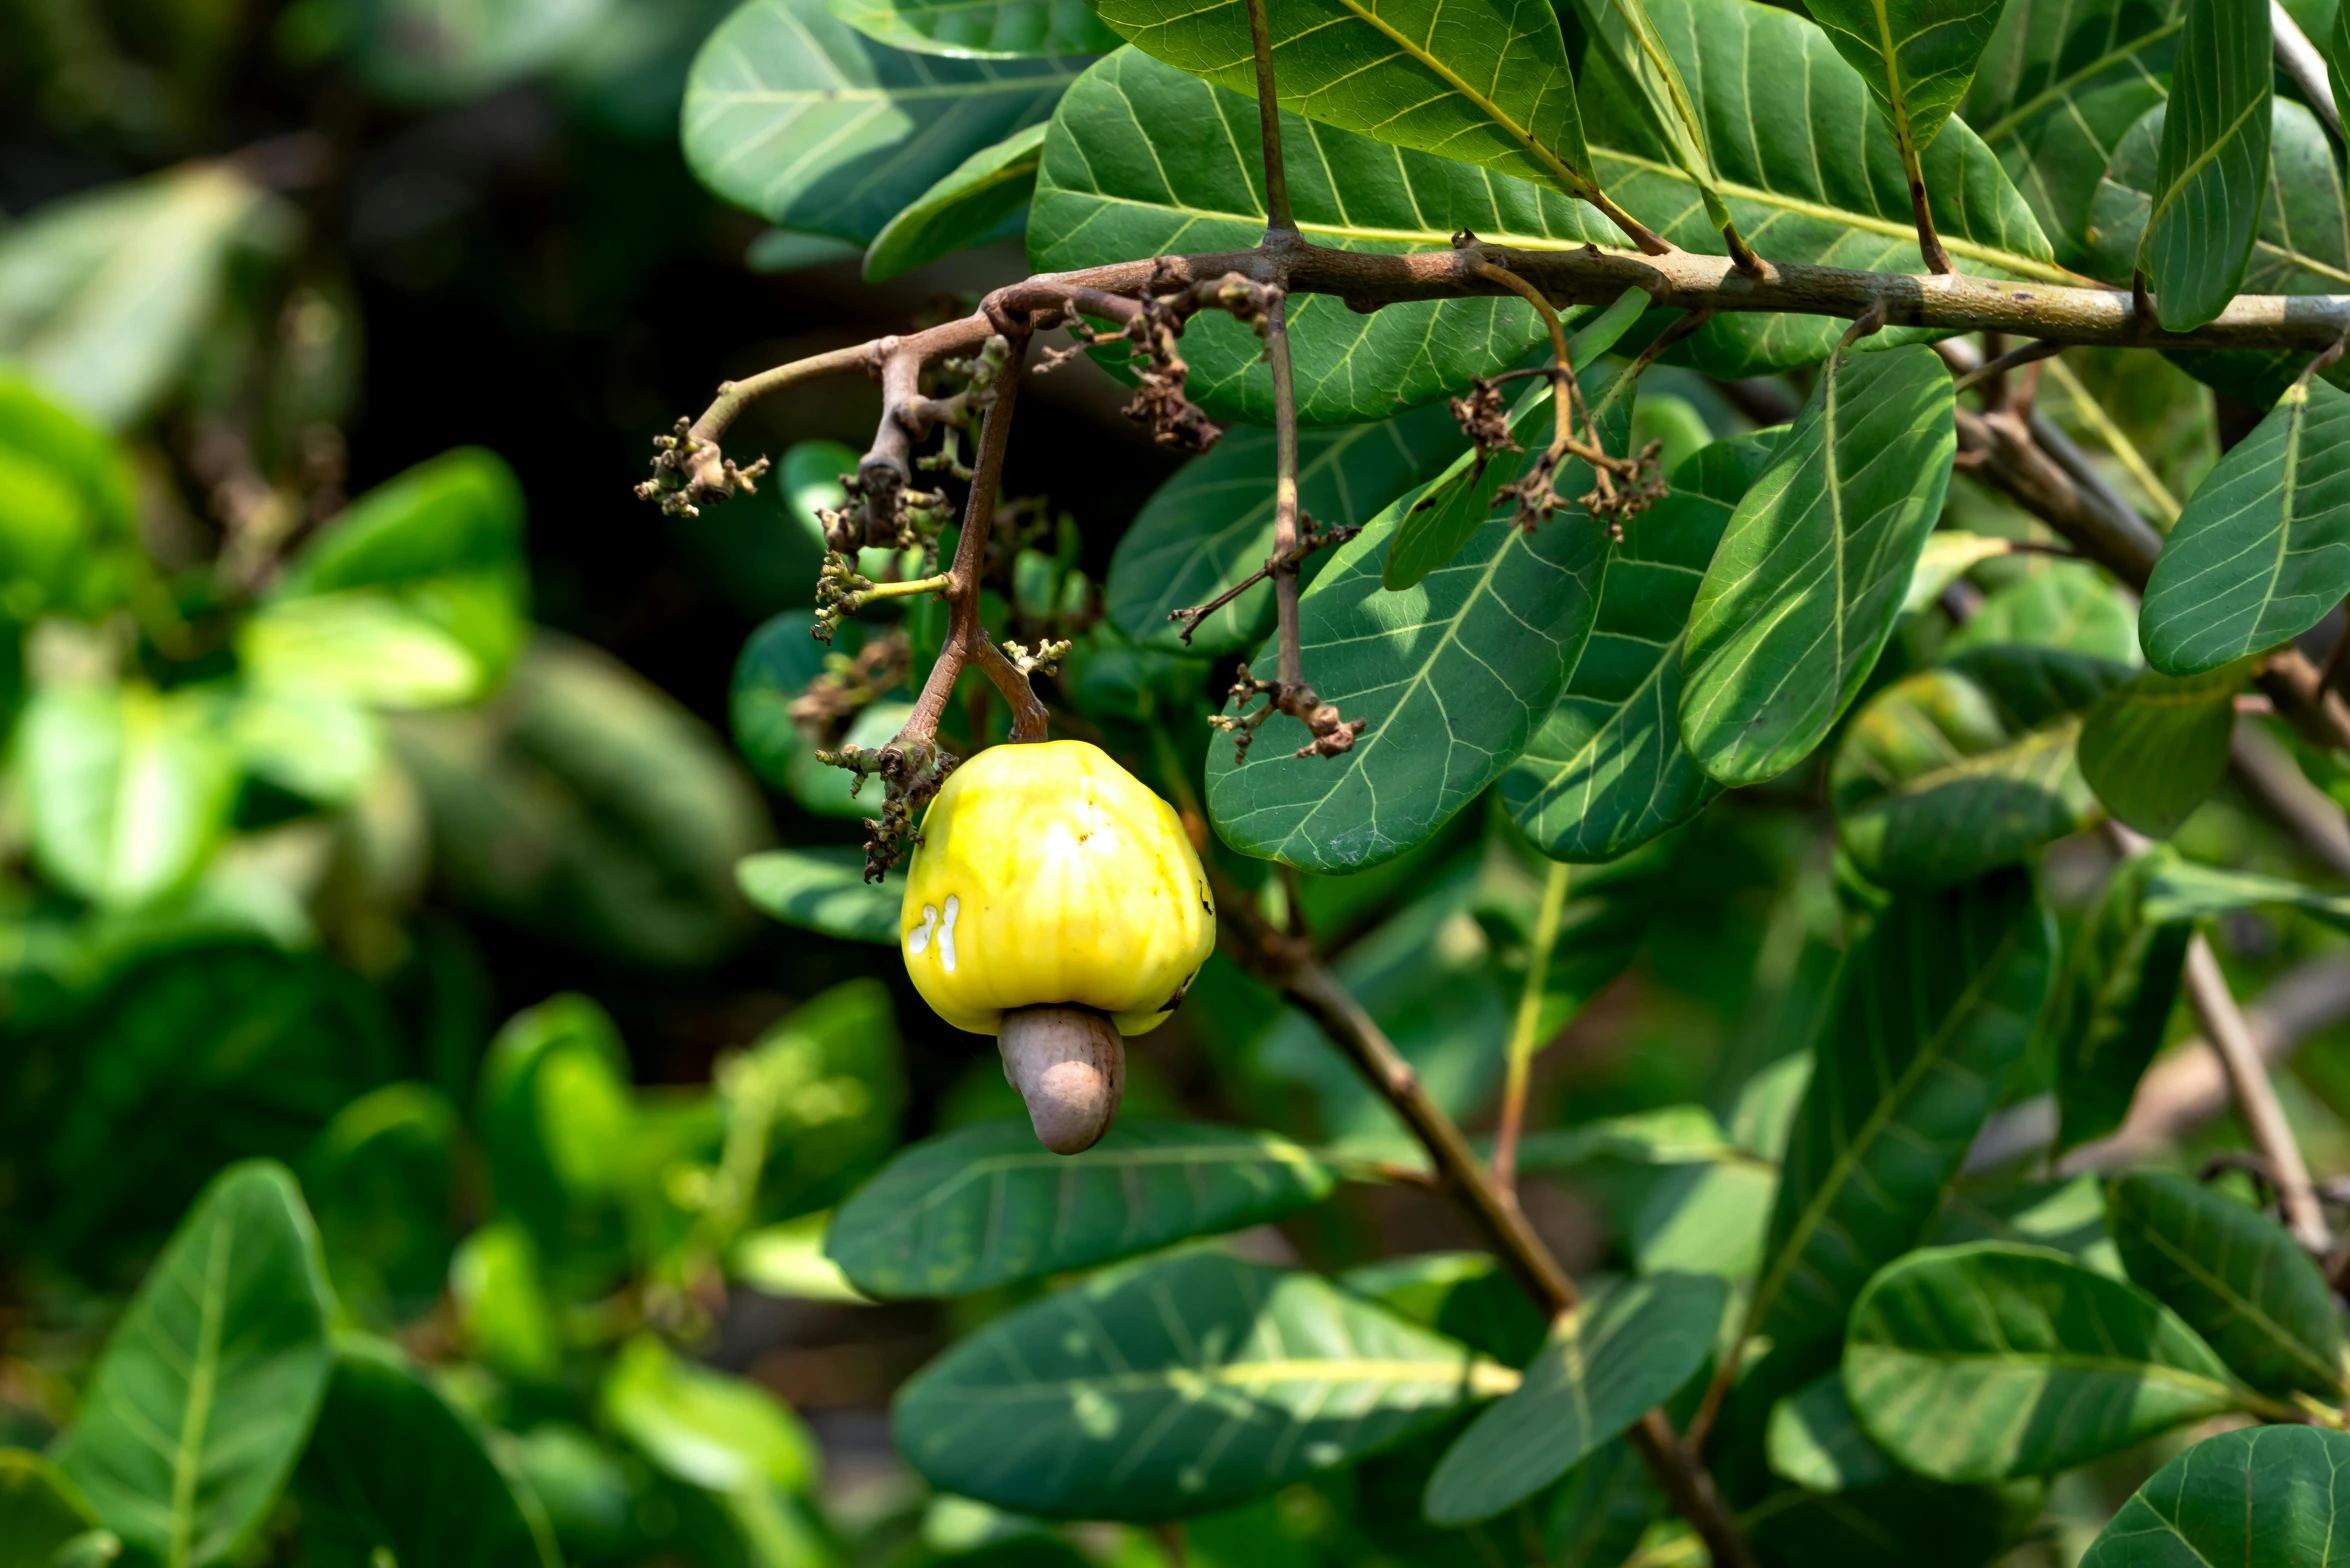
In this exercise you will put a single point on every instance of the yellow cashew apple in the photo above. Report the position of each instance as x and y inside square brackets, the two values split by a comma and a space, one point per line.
[1054, 902]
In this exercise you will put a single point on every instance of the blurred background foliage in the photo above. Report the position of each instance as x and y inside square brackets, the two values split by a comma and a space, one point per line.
[371, 807]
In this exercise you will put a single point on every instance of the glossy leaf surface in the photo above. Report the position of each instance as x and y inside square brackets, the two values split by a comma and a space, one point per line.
[987, 1206]
[2270, 1494]
[2208, 181]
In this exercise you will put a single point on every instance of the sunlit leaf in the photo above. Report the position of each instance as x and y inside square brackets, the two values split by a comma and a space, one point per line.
[1143, 159]
[1178, 1387]
[1816, 1441]
[2207, 183]
[980, 29]
[1811, 571]
[1917, 56]
[66, 509]
[799, 117]
[127, 790]
[206, 1391]
[985, 1206]
[1987, 1361]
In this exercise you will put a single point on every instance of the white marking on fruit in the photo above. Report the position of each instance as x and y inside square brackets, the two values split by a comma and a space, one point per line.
[918, 939]
[946, 931]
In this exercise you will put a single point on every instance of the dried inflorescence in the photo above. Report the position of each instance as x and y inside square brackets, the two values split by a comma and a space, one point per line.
[1155, 331]
[1332, 733]
[911, 772]
[850, 683]
[690, 473]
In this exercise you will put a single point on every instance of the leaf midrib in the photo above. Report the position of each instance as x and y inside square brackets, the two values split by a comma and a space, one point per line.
[2061, 90]
[2330, 1377]
[203, 1374]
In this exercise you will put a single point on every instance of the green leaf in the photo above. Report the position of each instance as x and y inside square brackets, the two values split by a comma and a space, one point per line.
[1810, 574]
[1466, 1296]
[395, 1468]
[985, 1206]
[1987, 1362]
[1212, 523]
[504, 1318]
[1949, 555]
[382, 1181]
[1935, 1004]
[198, 1052]
[2207, 183]
[2113, 1004]
[823, 890]
[2059, 87]
[972, 205]
[2069, 606]
[2155, 746]
[126, 790]
[105, 297]
[1951, 772]
[207, 1388]
[1815, 1440]
[1486, 82]
[778, 663]
[589, 806]
[979, 29]
[1921, 1523]
[1671, 1135]
[1626, 40]
[2180, 890]
[1618, 1355]
[716, 1432]
[1177, 1387]
[434, 53]
[823, 1091]
[2068, 1216]
[1607, 771]
[2262, 551]
[788, 1260]
[1143, 159]
[2235, 1277]
[67, 509]
[42, 1514]
[2270, 1494]
[1452, 676]
[554, 1115]
[802, 119]
[1917, 56]
[1446, 514]
[387, 602]
[1807, 167]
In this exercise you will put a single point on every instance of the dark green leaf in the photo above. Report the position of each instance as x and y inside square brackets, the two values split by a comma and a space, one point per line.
[1486, 82]
[1986, 1362]
[2235, 1277]
[802, 119]
[105, 296]
[1935, 1003]
[1816, 1441]
[1466, 1296]
[823, 890]
[1607, 771]
[980, 29]
[2155, 746]
[1916, 1522]
[1807, 167]
[1452, 676]
[382, 1181]
[985, 1206]
[1622, 1352]
[2059, 87]
[2107, 1018]
[42, 1514]
[589, 806]
[206, 1391]
[1811, 571]
[2262, 551]
[1143, 159]
[974, 204]
[395, 1468]
[1177, 1387]
[1212, 524]
[1944, 776]
[2272, 1494]
[2208, 182]
[1601, 1509]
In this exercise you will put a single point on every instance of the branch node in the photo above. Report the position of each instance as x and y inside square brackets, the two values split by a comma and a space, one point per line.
[1332, 733]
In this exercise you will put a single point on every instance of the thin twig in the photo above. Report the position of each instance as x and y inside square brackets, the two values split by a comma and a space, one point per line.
[2256, 1096]
[1285, 538]
[1524, 1028]
[2004, 363]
